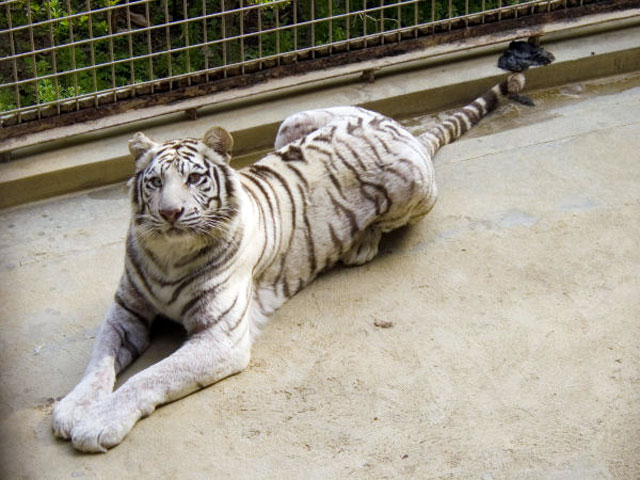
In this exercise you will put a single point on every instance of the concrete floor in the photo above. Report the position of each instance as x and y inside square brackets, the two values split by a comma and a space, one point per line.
[513, 350]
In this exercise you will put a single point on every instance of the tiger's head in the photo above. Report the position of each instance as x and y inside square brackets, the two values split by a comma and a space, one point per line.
[183, 188]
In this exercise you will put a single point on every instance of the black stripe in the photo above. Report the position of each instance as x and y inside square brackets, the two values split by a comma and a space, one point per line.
[300, 286]
[300, 175]
[240, 317]
[132, 285]
[287, 189]
[264, 172]
[352, 128]
[491, 99]
[285, 287]
[208, 161]
[261, 172]
[382, 189]
[399, 132]
[474, 111]
[190, 149]
[219, 264]
[221, 249]
[348, 165]
[461, 117]
[362, 183]
[325, 135]
[136, 192]
[226, 312]
[191, 258]
[129, 252]
[354, 154]
[350, 215]
[336, 183]
[289, 192]
[292, 154]
[337, 243]
[204, 326]
[400, 175]
[261, 212]
[376, 122]
[152, 257]
[412, 166]
[144, 321]
[451, 129]
[281, 277]
[364, 138]
[227, 173]
[384, 144]
[124, 340]
[316, 148]
[309, 237]
[214, 177]
[197, 299]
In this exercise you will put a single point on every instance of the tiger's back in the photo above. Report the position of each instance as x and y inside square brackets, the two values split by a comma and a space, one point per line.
[351, 175]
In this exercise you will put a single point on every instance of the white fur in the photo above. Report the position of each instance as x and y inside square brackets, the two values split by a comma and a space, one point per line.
[219, 252]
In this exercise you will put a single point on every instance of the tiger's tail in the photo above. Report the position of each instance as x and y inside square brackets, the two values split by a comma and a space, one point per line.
[456, 124]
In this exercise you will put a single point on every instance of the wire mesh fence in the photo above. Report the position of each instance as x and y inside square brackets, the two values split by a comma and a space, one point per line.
[63, 55]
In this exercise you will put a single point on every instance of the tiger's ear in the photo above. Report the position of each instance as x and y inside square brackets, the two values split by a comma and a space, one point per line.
[140, 144]
[219, 140]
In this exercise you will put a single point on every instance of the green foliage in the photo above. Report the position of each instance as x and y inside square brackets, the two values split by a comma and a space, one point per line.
[74, 26]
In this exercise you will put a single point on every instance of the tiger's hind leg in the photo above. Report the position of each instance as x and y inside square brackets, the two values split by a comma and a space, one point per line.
[301, 124]
[424, 207]
[365, 248]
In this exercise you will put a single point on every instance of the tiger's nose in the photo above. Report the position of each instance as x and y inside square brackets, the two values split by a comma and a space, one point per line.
[171, 214]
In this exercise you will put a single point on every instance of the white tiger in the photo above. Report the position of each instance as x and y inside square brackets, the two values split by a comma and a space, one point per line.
[218, 250]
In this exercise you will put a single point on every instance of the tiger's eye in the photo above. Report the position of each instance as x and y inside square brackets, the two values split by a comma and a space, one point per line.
[155, 182]
[194, 178]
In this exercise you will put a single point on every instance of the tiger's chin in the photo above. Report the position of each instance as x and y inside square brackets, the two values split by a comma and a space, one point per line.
[180, 235]
[172, 232]
[187, 235]
[167, 235]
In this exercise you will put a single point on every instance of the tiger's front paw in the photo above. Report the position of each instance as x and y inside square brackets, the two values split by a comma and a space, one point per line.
[104, 426]
[66, 414]
[72, 409]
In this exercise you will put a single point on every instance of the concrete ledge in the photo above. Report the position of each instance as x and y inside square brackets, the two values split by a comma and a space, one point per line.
[406, 89]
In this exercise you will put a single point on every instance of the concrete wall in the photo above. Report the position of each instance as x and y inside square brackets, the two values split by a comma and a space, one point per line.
[404, 88]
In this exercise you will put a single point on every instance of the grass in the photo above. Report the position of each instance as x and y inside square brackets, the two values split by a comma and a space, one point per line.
[66, 32]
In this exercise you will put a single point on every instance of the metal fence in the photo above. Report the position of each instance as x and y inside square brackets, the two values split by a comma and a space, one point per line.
[65, 55]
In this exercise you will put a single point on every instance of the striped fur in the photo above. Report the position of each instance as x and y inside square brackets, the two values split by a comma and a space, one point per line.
[218, 250]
